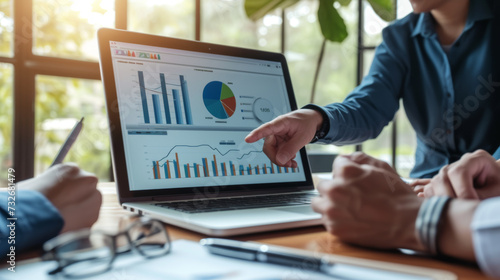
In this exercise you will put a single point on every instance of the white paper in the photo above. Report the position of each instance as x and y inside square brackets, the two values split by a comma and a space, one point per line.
[189, 260]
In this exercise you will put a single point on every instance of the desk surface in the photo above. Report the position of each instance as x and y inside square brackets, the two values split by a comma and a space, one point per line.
[310, 238]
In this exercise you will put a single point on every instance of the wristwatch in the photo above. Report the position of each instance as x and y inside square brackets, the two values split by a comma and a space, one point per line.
[325, 125]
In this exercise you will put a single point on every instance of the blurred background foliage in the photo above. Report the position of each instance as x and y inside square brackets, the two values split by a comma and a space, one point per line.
[67, 29]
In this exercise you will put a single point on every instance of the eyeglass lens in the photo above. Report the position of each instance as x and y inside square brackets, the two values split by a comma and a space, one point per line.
[87, 255]
[150, 239]
[94, 254]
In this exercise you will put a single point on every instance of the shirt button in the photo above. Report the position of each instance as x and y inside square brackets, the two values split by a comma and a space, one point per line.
[448, 95]
[448, 131]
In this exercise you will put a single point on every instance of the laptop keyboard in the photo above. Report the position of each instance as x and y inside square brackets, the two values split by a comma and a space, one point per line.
[239, 203]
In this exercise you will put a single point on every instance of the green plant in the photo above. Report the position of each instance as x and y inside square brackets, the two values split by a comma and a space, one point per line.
[330, 21]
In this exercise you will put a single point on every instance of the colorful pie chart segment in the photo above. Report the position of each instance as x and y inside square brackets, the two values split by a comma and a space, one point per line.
[219, 100]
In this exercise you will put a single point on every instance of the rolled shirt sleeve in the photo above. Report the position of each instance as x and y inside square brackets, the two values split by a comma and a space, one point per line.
[486, 236]
[37, 221]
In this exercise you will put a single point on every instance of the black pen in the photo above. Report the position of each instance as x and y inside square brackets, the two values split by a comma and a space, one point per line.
[262, 253]
[251, 251]
[68, 143]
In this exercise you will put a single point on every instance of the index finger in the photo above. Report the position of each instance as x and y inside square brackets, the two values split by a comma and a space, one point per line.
[273, 127]
[420, 182]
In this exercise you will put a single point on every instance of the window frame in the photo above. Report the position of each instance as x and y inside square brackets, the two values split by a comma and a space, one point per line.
[28, 65]
[362, 48]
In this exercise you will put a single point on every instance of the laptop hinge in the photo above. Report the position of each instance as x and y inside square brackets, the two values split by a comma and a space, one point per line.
[201, 197]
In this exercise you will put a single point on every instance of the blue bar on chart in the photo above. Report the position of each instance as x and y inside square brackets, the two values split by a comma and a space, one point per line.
[168, 119]
[154, 170]
[176, 169]
[185, 97]
[196, 171]
[156, 108]
[143, 96]
[177, 106]
[205, 167]
[231, 166]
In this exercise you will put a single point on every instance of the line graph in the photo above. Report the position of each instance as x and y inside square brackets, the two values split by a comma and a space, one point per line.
[213, 149]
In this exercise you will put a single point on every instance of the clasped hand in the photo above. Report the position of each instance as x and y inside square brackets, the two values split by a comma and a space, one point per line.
[367, 203]
[475, 176]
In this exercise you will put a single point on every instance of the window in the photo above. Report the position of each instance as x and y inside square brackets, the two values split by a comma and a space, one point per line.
[60, 103]
[67, 28]
[6, 28]
[6, 107]
[173, 18]
[225, 22]
[53, 67]
[396, 149]
[302, 47]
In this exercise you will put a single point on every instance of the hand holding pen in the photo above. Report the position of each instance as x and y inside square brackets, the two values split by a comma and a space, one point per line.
[68, 143]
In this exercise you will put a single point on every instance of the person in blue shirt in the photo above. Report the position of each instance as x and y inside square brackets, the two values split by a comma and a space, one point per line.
[63, 198]
[442, 62]
[367, 204]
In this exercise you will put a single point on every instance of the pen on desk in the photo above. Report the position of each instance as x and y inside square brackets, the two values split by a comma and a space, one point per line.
[263, 253]
[68, 143]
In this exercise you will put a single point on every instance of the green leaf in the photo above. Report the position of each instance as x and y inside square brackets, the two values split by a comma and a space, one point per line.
[384, 9]
[331, 23]
[257, 9]
[344, 3]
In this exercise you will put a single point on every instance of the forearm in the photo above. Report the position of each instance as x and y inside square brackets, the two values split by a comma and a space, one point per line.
[455, 236]
[316, 116]
[37, 221]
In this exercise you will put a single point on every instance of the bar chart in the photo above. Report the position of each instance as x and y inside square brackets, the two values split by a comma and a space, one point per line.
[210, 160]
[171, 104]
[212, 167]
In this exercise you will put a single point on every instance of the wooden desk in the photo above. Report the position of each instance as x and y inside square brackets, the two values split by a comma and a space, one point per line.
[311, 238]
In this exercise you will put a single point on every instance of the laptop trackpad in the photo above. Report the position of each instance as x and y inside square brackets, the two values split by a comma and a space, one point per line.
[305, 209]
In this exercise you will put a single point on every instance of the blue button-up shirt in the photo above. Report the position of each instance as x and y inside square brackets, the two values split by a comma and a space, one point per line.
[37, 221]
[449, 97]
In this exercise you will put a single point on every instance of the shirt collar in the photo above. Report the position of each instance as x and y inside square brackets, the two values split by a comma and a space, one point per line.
[478, 10]
[425, 25]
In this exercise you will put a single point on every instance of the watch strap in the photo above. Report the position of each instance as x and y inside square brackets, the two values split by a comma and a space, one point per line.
[325, 125]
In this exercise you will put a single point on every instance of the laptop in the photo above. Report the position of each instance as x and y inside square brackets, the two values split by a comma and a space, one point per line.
[178, 113]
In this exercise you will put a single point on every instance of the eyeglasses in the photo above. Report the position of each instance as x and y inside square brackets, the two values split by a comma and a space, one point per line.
[84, 253]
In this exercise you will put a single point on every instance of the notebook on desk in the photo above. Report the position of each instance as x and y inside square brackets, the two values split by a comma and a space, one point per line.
[178, 112]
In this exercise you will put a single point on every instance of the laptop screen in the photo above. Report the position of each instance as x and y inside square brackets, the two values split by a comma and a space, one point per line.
[184, 116]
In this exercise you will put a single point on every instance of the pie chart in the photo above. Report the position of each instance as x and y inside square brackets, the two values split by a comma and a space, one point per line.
[219, 100]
